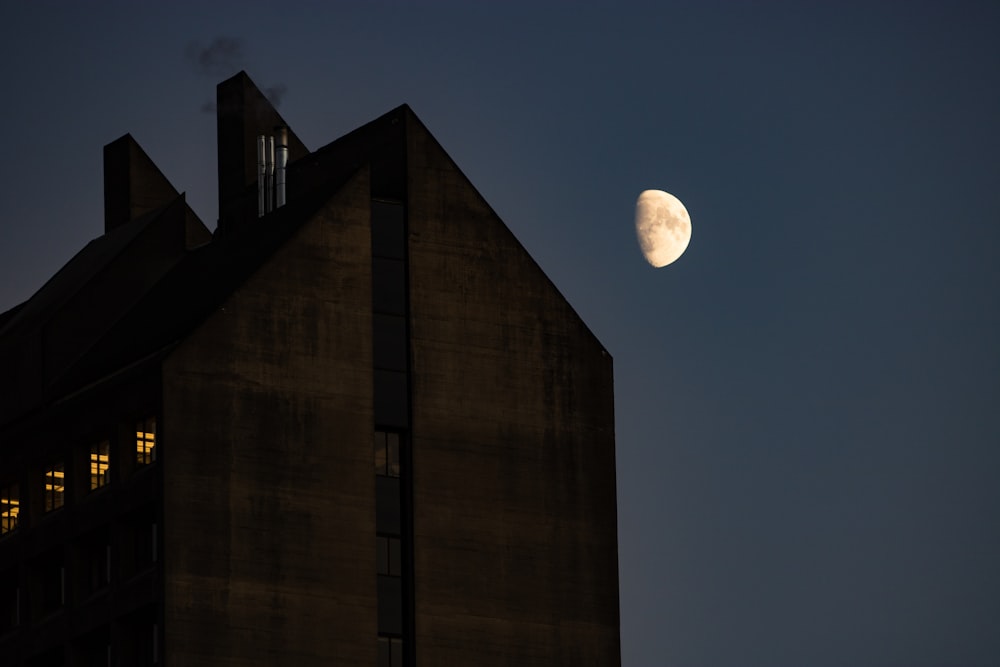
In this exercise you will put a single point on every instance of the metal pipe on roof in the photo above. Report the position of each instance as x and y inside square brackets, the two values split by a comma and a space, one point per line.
[261, 175]
[281, 149]
[269, 163]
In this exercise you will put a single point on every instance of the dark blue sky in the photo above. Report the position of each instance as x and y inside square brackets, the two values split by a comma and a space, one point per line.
[807, 402]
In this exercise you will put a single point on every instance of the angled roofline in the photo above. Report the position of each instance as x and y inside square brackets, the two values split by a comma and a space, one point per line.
[87, 263]
[206, 277]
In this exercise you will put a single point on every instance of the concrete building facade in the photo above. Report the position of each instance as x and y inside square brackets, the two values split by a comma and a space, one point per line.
[359, 428]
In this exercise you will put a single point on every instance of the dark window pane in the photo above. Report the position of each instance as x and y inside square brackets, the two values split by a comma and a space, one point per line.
[380, 462]
[395, 557]
[387, 505]
[396, 652]
[383, 652]
[391, 398]
[382, 555]
[387, 453]
[390, 605]
[388, 286]
[389, 347]
[392, 454]
[388, 171]
[388, 230]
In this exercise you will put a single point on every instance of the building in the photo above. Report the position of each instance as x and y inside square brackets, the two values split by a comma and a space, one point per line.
[355, 425]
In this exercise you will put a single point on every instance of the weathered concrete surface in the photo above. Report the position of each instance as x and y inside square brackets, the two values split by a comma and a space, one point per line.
[514, 503]
[269, 507]
[266, 415]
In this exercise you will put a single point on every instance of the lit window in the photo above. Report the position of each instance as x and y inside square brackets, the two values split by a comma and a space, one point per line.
[55, 487]
[100, 462]
[387, 551]
[390, 652]
[145, 441]
[386, 454]
[10, 504]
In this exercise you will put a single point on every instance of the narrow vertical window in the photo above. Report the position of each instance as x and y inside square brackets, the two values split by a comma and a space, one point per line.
[55, 487]
[100, 465]
[390, 652]
[392, 453]
[387, 454]
[387, 552]
[380, 461]
[10, 505]
[145, 441]
[383, 652]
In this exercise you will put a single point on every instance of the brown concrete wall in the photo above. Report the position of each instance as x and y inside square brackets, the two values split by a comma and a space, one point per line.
[513, 443]
[269, 509]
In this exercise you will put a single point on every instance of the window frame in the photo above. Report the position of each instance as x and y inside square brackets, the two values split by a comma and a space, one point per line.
[53, 494]
[387, 452]
[388, 555]
[10, 511]
[145, 441]
[99, 477]
[393, 646]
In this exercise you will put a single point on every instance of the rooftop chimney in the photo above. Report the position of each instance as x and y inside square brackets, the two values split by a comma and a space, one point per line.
[244, 114]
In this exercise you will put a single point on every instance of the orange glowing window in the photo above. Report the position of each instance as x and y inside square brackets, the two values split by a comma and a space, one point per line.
[145, 441]
[55, 487]
[100, 465]
[10, 505]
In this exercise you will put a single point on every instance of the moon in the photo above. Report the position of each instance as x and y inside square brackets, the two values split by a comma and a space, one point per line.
[663, 227]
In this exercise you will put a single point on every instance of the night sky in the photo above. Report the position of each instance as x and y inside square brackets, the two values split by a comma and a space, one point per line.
[807, 401]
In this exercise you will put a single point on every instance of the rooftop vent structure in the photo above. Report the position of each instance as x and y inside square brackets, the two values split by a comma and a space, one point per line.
[243, 115]
[272, 161]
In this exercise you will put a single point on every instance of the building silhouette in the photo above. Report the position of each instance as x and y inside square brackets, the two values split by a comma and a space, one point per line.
[355, 425]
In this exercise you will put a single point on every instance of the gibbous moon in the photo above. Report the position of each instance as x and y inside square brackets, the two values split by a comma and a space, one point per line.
[663, 227]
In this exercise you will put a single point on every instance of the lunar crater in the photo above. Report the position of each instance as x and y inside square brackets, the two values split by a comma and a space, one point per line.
[662, 227]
